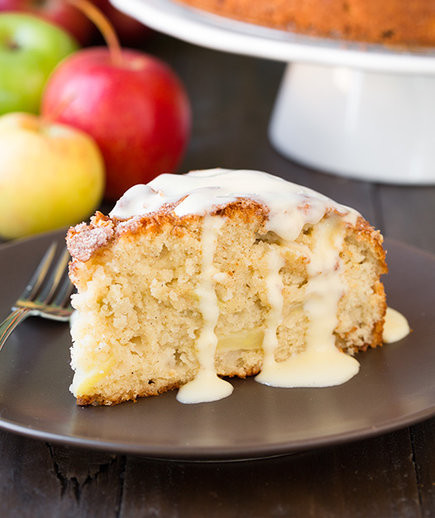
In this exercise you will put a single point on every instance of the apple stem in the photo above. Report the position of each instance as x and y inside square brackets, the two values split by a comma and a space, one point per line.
[104, 26]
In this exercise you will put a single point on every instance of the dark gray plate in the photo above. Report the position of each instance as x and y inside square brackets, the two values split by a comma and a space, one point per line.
[395, 386]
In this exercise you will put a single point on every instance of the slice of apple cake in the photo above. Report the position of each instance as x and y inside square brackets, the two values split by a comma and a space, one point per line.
[221, 273]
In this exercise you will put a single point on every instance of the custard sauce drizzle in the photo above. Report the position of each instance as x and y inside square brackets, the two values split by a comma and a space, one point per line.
[207, 386]
[321, 363]
[396, 326]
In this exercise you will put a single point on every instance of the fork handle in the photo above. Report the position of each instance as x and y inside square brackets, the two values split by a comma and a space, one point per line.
[11, 322]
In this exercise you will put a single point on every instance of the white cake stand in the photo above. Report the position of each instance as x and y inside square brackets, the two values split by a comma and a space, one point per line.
[365, 112]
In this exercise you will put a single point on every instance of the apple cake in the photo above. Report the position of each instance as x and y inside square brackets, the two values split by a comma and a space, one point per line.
[391, 22]
[221, 273]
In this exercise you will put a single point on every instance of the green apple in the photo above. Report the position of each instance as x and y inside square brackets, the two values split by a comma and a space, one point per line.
[30, 48]
[51, 175]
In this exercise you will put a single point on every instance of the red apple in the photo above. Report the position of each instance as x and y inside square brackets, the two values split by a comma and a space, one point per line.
[136, 110]
[128, 29]
[58, 12]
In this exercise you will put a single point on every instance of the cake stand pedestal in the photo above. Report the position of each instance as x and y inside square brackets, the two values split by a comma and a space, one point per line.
[366, 125]
[366, 113]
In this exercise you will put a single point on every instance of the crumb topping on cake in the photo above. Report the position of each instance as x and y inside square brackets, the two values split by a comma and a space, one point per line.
[84, 240]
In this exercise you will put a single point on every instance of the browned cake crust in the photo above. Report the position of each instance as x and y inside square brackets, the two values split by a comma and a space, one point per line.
[86, 240]
[366, 232]
[392, 22]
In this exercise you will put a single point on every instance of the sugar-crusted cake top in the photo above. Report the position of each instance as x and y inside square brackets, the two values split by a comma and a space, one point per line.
[291, 206]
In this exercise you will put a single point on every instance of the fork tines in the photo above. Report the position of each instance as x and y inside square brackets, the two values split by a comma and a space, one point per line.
[49, 283]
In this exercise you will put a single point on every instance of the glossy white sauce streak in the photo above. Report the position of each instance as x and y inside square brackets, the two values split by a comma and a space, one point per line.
[198, 192]
[321, 364]
[207, 386]
[274, 286]
[396, 326]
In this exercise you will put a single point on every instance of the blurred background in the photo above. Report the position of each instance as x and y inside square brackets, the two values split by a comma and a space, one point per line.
[87, 109]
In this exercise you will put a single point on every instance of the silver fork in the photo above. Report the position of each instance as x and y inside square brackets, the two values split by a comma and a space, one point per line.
[44, 296]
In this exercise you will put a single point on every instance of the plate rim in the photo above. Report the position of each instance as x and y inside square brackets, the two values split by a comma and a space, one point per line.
[234, 453]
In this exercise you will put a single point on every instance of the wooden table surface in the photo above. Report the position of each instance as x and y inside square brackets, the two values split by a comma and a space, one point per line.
[388, 476]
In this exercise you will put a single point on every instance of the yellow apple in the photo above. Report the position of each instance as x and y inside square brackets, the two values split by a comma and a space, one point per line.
[51, 175]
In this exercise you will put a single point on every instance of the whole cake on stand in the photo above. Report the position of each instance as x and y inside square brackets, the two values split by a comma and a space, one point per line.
[392, 22]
